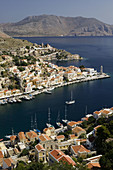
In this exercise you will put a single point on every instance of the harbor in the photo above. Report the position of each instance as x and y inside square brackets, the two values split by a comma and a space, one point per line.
[95, 92]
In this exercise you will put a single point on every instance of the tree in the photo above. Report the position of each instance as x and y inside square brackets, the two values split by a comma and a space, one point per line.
[91, 120]
[24, 153]
[82, 66]
[106, 161]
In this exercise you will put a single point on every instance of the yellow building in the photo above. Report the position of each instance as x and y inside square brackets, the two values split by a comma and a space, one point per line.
[40, 153]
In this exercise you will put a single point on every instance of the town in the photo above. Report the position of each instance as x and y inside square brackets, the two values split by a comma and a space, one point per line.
[73, 143]
[25, 72]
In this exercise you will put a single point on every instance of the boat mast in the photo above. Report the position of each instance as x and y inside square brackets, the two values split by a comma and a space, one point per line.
[58, 118]
[49, 118]
[32, 123]
[35, 124]
[12, 132]
[71, 95]
[65, 112]
[86, 111]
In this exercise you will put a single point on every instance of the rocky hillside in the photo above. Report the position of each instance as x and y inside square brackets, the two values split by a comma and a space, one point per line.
[3, 35]
[11, 43]
[50, 25]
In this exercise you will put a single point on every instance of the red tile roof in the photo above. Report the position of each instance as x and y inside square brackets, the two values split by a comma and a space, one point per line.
[79, 148]
[93, 164]
[21, 136]
[31, 135]
[39, 147]
[8, 161]
[77, 129]
[1, 154]
[66, 158]
[12, 138]
[72, 123]
[60, 137]
[44, 137]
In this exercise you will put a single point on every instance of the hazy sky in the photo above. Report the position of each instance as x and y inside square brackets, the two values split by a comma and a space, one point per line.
[16, 10]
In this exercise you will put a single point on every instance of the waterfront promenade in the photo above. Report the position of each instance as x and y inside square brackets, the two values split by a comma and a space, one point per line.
[78, 80]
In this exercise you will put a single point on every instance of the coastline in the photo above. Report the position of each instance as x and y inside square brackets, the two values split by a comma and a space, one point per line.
[80, 80]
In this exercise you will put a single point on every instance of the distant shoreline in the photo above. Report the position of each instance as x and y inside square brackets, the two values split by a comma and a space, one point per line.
[54, 36]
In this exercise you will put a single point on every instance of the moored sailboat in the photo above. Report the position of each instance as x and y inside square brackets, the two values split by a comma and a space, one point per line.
[58, 121]
[65, 120]
[71, 101]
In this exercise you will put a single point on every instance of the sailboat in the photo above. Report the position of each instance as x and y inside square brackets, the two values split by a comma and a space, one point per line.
[71, 101]
[49, 118]
[65, 120]
[34, 125]
[58, 121]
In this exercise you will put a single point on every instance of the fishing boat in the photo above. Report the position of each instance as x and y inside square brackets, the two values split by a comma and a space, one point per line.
[71, 101]
[65, 120]
[49, 118]
[58, 121]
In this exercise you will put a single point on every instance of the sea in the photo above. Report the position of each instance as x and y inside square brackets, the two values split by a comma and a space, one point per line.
[96, 94]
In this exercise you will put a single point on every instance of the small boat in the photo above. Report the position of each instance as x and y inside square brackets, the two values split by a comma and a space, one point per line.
[71, 101]
[31, 96]
[48, 92]
[14, 100]
[8, 136]
[19, 100]
[26, 98]
[10, 101]
[3, 102]
[49, 125]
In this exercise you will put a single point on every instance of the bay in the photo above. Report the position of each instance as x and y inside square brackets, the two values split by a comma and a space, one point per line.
[96, 94]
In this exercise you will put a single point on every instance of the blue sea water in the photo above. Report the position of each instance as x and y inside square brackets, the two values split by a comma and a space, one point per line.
[96, 94]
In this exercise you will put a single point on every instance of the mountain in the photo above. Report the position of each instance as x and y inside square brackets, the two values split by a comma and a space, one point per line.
[51, 25]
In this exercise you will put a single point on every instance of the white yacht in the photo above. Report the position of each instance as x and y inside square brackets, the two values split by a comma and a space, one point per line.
[71, 101]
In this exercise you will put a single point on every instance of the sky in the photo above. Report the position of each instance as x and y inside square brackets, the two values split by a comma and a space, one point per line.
[16, 10]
